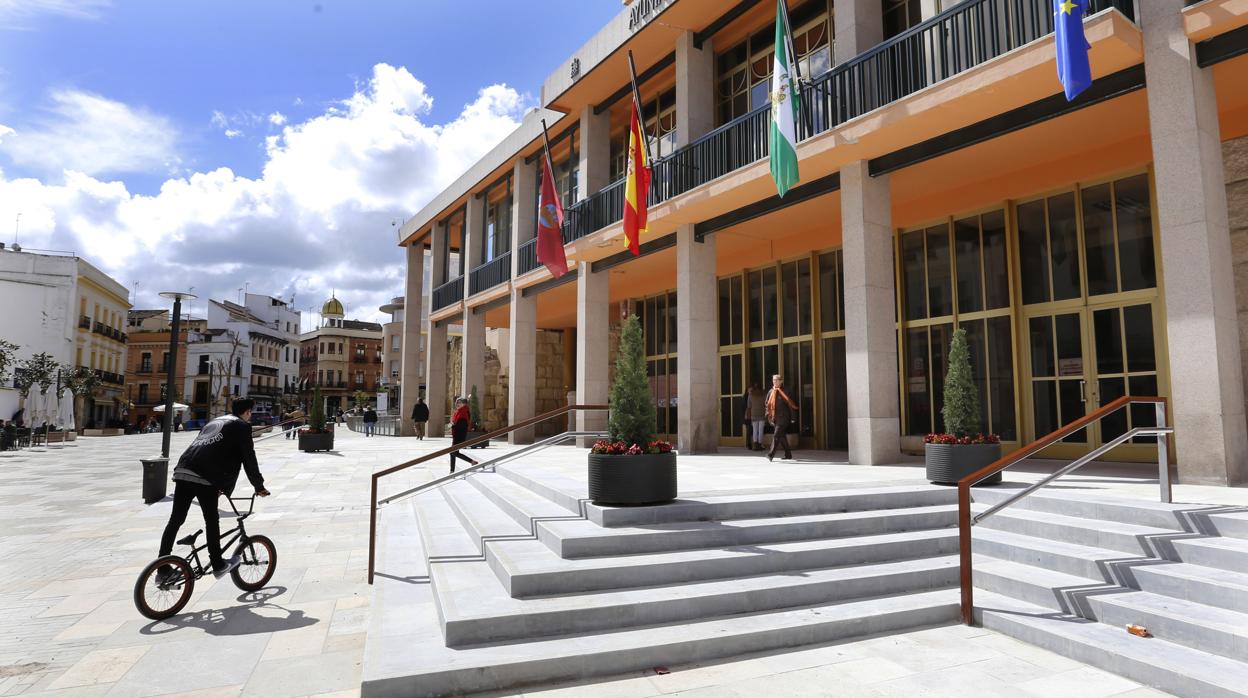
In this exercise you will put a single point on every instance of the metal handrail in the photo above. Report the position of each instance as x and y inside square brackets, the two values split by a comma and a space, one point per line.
[510, 455]
[372, 515]
[1161, 431]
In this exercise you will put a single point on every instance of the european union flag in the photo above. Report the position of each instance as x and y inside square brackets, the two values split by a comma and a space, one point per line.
[1073, 68]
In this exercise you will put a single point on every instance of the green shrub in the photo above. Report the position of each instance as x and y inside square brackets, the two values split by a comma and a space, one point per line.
[961, 408]
[632, 409]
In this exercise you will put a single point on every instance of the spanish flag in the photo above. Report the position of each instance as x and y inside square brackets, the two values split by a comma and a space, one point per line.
[637, 188]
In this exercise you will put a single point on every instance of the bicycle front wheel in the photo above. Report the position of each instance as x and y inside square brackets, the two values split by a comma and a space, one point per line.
[159, 596]
[258, 563]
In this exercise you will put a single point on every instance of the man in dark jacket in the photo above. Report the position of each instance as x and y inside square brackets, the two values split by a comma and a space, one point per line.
[420, 415]
[208, 468]
[370, 421]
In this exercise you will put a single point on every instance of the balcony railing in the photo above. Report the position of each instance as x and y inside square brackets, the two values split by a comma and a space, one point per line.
[109, 377]
[448, 293]
[952, 42]
[84, 322]
[528, 256]
[490, 274]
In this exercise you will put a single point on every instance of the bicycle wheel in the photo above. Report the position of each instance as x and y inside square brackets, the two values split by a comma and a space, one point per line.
[259, 562]
[159, 600]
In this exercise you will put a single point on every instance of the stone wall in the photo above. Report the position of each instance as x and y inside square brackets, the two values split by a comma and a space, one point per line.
[1235, 163]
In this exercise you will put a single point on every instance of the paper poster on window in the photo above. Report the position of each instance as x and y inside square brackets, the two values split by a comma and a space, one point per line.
[917, 385]
[1070, 367]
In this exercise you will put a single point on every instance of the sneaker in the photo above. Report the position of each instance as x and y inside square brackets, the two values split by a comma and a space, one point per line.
[166, 574]
[220, 569]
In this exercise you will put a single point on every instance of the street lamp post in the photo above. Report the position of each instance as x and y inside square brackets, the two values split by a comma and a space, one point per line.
[177, 297]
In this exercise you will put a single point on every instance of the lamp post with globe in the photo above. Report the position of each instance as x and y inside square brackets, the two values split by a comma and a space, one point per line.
[177, 297]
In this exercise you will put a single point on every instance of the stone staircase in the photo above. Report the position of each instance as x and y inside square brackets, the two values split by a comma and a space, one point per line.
[1070, 572]
[530, 585]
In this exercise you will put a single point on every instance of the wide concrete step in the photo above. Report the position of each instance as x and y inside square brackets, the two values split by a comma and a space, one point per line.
[1167, 666]
[1038, 586]
[530, 569]
[1206, 628]
[525, 506]
[1230, 554]
[1057, 555]
[1231, 522]
[1180, 580]
[1132, 539]
[573, 538]
[1139, 512]
[475, 609]
[394, 667]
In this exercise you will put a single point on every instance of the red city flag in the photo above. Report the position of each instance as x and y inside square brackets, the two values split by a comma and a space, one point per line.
[550, 225]
[637, 188]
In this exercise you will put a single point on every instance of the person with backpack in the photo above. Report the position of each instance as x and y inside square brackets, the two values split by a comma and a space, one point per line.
[420, 415]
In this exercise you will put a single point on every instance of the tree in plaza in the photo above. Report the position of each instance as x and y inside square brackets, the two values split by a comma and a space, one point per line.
[39, 369]
[632, 408]
[961, 408]
[7, 352]
[82, 383]
[474, 409]
[361, 398]
[223, 370]
[316, 419]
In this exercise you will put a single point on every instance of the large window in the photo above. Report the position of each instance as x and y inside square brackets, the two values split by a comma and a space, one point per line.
[955, 274]
[900, 15]
[743, 80]
[497, 225]
[659, 121]
[658, 322]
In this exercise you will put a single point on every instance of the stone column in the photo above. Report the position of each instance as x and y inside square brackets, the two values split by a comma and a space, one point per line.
[592, 328]
[595, 149]
[695, 89]
[870, 330]
[435, 341]
[412, 375]
[472, 367]
[859, 26]
[697, 332]
[1206, 383]
[522, 339]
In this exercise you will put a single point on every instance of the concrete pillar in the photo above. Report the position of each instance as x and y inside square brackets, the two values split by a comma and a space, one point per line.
[595, 149]
[592, 342]
[524, 206]
[870, 331]
[695, 89]
[1206, 383]
[697, 332]
[412, 374]
[472, 367]
[435, 340]
[859, 26]
[474, 236]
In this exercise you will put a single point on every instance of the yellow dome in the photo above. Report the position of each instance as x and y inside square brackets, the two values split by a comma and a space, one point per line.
[333, 306]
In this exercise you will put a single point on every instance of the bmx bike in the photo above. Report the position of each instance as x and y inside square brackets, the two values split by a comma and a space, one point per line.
[160, 596]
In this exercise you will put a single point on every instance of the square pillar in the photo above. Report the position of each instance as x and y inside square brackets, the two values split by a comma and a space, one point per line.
[522, 372]
[1206, 382]
[697, 333]
[413, 301]
[695, 89]
[592, 346]
[474, 237]
[523, 207]
[595, 149]
[435, 383]
[859, 26]
[870, 328]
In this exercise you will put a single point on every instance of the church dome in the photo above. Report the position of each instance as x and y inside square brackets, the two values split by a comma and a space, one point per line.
[333, 307]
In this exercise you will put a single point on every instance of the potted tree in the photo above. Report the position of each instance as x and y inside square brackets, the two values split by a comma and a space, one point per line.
[631, 467]
[477, 427]
[316, 436]
[962, 448]
[82, 383]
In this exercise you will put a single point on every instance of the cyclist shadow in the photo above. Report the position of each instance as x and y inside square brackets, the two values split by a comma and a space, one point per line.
[238, 620]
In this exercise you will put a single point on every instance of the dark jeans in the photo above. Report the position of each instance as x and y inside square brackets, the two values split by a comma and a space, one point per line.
[183, 494]
[780, 437]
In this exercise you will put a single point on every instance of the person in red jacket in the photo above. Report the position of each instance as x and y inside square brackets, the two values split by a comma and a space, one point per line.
[459, 430]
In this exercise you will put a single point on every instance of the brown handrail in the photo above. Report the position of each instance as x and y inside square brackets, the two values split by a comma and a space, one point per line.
[1013, 458]
[372, 515]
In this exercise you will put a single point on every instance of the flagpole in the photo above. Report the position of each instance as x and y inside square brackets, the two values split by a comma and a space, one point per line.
[788, 37]
[641, 122]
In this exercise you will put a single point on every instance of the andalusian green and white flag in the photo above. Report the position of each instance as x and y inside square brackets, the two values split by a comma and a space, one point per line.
[785, 107]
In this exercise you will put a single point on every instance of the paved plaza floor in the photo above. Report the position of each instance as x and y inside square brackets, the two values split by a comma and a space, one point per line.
[74, 533]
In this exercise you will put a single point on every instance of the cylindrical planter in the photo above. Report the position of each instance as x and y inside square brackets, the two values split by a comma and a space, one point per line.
[316, 441]
[476, 435]
[632, 480]
[948, 463]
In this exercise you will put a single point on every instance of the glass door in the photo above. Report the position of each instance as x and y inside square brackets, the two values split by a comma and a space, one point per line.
[1058, 385]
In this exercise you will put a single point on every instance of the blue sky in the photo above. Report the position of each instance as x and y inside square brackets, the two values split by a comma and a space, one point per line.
[269, 143]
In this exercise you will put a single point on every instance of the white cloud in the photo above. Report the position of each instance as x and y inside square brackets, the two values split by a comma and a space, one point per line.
[277, 118]
[88, 133]
[318, 217]
[17, 14]
[232, 133]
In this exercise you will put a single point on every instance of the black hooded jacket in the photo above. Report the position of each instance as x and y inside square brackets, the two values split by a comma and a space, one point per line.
[420, 412]
[222, 447]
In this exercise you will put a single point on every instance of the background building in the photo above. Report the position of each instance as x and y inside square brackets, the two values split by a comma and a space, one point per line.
[147, 365]
[342, 357]
[60, 304]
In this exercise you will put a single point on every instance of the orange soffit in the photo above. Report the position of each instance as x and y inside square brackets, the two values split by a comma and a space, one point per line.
[637, 187]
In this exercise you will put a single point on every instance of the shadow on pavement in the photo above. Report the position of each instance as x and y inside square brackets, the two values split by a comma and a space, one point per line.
[257, 615]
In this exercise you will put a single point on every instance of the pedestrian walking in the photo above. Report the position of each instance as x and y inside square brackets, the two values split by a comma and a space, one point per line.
[459, 430]
[756, 415]
[296, 421]
[370, 421]
[780, 409]
[420, 415]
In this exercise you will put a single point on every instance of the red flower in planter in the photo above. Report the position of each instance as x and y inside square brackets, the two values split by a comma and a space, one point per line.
[967, 440]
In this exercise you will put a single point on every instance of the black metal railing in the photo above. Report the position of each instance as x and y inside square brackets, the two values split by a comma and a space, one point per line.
[490, 274]
[448, 293]
[528, 256]
[84, 322]
[595, 213]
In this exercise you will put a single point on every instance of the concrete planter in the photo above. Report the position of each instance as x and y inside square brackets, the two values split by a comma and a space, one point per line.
[101, 432]
[632, 480]
[475, 435]
[948, 463]
[311, 441]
